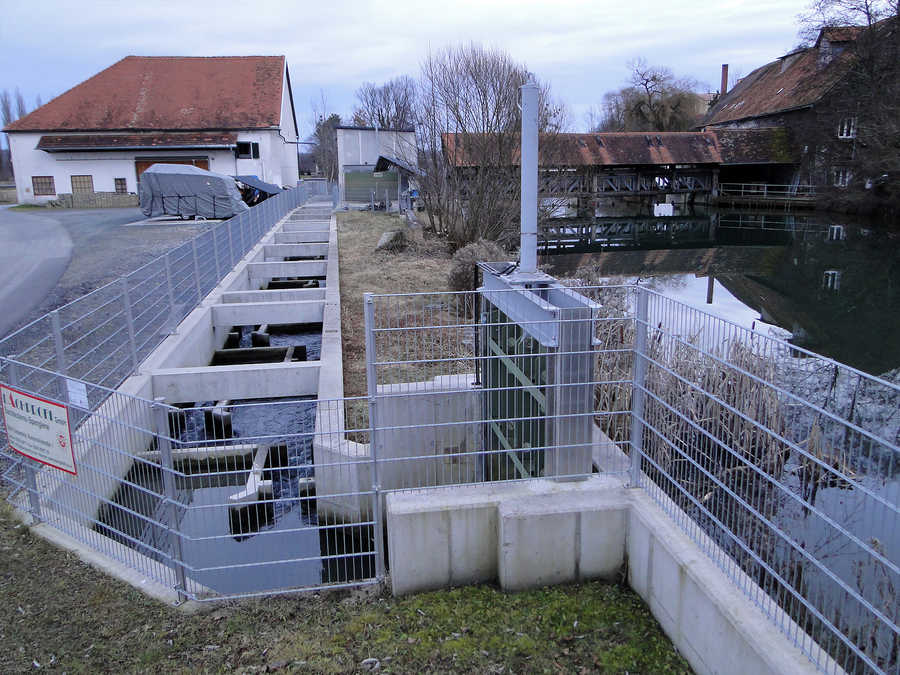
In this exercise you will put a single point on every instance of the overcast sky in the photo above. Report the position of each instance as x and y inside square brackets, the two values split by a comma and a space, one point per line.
[332, 46]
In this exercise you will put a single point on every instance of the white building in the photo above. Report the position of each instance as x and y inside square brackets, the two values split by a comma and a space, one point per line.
[358, 151]
[233, 115]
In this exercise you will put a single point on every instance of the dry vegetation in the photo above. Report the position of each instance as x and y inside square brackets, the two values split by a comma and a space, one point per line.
[422, 266]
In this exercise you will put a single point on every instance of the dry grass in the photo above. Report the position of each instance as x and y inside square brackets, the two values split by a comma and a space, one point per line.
[423, 266]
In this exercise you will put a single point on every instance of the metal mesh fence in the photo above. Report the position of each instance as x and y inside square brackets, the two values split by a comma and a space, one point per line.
[780, 464]
[102, 337]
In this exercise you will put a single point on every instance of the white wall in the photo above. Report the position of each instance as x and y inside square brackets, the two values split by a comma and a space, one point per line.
[359, 147]
[277, 161]
[103, 166]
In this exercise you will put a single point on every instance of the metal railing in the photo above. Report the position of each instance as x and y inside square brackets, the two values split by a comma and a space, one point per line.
[103, 336]
[767, 190]
[780, 464]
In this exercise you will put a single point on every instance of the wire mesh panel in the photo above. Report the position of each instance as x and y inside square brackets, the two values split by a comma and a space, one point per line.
[462, 393]
[101, 337]
[787, 462]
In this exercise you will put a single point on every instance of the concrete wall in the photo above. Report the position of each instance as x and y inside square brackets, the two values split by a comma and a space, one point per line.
[95, 200]
[534, 533]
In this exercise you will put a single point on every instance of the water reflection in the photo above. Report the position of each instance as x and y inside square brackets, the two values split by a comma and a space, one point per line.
[834, 284]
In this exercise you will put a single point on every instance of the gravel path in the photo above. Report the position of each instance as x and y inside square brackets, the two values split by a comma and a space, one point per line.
[106, 244]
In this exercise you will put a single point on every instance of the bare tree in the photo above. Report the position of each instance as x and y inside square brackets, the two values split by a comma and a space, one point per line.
[822, 13]
[6, 111]
[389, 106]
[654, 100]
[471, 94]
[21, 108]
[325, 138]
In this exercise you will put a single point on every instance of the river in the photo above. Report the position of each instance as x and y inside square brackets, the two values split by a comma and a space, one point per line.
[830, 283]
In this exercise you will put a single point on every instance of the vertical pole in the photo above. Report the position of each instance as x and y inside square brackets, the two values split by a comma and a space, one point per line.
[637, 385]
[60, 349]
[170, 292]
[197, 271]
[710, 287]
[231, 260]
[529, 169]
[164, 443]
[369, 308]
[129, 322]
[58, 341]
[216, 254]
[34, 499]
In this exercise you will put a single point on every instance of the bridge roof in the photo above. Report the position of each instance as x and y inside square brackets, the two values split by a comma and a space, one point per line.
[600, 149]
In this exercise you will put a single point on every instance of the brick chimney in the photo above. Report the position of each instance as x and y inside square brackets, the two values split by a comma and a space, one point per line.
[724, 88]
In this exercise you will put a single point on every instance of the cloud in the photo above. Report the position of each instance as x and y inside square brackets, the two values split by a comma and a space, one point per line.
[580, 47]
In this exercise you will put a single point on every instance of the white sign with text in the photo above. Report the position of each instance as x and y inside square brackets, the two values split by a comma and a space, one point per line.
[38, 429]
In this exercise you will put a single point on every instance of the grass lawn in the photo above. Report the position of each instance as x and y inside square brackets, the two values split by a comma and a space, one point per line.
[66, 616]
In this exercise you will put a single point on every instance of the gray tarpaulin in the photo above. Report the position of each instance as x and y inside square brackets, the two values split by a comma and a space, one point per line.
[183, 190]
[260, 185]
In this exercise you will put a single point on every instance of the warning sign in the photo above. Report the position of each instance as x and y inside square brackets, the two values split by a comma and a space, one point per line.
[38, 429]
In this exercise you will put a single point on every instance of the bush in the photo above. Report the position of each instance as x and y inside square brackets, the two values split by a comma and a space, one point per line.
[462, 276]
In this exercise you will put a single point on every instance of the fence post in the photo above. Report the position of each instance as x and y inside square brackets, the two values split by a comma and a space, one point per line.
[34, 499]
[129, 321]
[58, 344]
[170, 292]
[197, 271]
[216, 254]
[369, 310]
[637, 385]
[164, 444]
[231, 259]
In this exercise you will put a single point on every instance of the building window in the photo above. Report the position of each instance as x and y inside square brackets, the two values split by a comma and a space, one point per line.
[82, 184]
[43, 185]
[121, 186]
[847, 128]
[836, 233]
[831, 280]
[841, 177]
[247, 150]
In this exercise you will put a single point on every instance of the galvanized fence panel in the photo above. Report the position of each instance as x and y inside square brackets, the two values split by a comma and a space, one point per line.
[781, 464]
[461, 393]
[102, 337]
[785, 464]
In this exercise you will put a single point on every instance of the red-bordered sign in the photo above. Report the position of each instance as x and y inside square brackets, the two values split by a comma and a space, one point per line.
[38, 429]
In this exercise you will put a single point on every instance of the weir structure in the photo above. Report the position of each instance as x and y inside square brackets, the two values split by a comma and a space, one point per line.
[524, 433]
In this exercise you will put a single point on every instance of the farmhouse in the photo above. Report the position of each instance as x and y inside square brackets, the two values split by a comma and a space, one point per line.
[233, 115]
[830, 97]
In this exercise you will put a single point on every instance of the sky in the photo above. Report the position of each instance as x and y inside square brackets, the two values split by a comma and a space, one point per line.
[581, 48]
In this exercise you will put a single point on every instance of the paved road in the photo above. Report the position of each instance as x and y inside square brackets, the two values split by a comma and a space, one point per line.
[34, 252]
[53, 256]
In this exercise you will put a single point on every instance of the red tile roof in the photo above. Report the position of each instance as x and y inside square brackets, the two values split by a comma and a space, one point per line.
[602, 149]
[74, 142]
[796, 80]
[168, 93]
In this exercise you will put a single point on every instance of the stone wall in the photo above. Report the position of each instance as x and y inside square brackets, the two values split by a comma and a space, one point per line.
[8, 195]
[94, 200]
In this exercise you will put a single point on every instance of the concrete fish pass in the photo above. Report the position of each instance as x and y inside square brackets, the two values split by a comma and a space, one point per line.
[525, 433]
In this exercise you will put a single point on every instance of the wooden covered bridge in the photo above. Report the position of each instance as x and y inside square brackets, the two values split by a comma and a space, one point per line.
[590, 167]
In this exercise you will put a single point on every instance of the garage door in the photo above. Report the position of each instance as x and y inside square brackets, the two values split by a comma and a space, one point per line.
[141, 165]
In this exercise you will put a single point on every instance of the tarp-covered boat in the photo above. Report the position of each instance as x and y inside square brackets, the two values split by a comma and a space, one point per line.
[183, 190]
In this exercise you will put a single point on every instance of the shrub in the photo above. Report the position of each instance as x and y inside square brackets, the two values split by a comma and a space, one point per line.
[462, 276]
